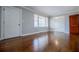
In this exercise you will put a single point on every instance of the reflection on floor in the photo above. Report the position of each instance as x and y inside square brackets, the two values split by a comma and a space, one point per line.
[42, 42]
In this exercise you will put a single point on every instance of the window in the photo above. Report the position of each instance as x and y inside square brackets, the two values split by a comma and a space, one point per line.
[40, 21]
[35, 20]
[46, 21]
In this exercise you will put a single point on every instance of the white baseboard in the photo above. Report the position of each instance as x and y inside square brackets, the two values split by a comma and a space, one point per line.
[60, 31]
[33, 33]
[0, 39]
[67, 32]
[27, 34]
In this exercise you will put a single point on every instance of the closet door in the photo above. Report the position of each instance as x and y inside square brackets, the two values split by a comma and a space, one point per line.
[74, 24]
[11, 22]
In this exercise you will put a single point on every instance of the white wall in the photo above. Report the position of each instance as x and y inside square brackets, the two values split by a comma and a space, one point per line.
[28, 23]
[27, 19]
[59, 23]
[67, 24]
[0, 22]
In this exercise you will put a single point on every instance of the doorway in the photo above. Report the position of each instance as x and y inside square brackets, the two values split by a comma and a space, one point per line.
[12, 24]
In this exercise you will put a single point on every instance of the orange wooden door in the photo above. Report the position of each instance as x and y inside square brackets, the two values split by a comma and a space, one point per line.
[74, 26]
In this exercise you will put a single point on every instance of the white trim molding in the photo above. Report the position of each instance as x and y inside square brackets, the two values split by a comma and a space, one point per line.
[0, 38]
[2, 21]
[33, 33]
[67, 32]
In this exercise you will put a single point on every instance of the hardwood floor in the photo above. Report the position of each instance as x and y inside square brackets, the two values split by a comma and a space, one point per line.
[42, 42]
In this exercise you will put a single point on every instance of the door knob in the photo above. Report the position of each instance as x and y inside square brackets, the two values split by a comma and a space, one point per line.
[19, 24]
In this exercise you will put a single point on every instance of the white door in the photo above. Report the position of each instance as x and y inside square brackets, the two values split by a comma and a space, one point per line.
[11, 22]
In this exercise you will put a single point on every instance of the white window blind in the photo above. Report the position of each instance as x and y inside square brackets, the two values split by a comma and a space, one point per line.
[35, 20]
[40, 21]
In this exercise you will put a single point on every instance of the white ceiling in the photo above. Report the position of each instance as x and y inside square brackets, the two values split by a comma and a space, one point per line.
[53, 10]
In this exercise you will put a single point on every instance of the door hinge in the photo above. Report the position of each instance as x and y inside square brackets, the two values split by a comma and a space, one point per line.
[18, 24]
[3, 9]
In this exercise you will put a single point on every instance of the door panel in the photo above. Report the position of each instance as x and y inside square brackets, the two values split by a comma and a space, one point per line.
[74, 30]
[74, 24]
[11, 24]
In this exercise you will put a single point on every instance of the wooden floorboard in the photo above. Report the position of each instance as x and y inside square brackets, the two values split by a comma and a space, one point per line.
[42, 42]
